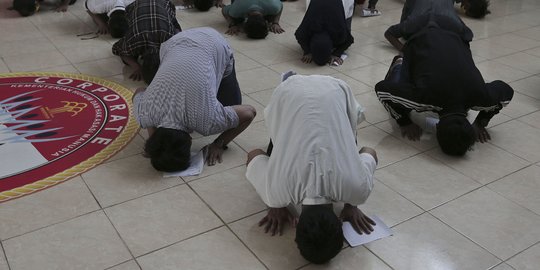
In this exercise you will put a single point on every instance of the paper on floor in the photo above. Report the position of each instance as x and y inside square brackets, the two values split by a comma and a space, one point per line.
[354, 239]
[195, 167]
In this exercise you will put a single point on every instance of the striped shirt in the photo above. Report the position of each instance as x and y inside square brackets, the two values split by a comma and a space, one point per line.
[183, 94]
[151, 22]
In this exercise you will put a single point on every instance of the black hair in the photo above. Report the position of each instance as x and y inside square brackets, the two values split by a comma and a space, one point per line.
[169, 149]
[203, 5]
[319, 236]
[256, 26]
[321, 48]
[455, 135]
[477, 8]
[150, 66]
[118, 23]
[25, 7]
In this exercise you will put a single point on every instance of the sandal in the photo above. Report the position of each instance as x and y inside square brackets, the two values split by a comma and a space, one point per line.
[366, 12]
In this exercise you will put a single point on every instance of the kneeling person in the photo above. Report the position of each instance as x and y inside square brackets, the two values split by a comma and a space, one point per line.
[325, 32]
[109, 15]
[259, 15]
[195, 89]
[314, 161]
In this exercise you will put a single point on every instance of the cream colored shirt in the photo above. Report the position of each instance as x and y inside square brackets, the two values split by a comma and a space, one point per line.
[312, 122]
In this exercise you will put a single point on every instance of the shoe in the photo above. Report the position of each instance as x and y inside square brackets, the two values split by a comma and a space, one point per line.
[398, 60]
[366, 12]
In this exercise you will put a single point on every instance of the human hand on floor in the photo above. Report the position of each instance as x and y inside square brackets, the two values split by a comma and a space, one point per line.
[275, 220]
[276, 28]
[307, 58]
[411, 131]
[62, 8]
[359, 221]
[481, 132]
[103, 29]
[214, 153]
[136, 75]
[233, 30]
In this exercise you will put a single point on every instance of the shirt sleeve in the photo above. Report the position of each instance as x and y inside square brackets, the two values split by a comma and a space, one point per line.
[497, 95]
[358, 190]
[342, 47]
[234, 10]
[399, 99]
[142, 117]
[256, 174]
[303, 36]
[221, 119]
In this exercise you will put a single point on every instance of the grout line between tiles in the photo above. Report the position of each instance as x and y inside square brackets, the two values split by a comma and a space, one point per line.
[4, 254]
[227, 225]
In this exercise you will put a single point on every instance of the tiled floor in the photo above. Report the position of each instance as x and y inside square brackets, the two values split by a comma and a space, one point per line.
[477, 212]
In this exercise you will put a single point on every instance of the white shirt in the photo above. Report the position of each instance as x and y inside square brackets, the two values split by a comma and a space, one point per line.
[312, 123]
[107, 6]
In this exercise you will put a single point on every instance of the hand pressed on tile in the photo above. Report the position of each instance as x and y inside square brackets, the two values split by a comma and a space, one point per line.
[307, 58]
[275, 220]
[214, 154]
[411, 131]
[481, 132]
[359, 221]
[136, 75]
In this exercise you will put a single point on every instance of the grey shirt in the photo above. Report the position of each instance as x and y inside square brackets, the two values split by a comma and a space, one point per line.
[183, 94]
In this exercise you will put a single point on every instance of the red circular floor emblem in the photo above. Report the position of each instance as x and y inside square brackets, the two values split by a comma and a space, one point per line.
[55, 127]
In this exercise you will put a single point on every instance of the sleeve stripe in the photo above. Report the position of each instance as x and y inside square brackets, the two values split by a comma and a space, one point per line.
[491, 108]
[385, 96]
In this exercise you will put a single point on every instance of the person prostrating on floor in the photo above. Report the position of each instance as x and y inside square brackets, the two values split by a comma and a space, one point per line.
[313, 160]
[325, 32]
[257, 16]
[194, 89]
[109, 16]
[437, 73]
[151, 22]
[412, 9]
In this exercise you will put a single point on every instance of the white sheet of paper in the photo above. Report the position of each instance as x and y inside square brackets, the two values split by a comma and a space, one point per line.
[354, 239]
[195, 167]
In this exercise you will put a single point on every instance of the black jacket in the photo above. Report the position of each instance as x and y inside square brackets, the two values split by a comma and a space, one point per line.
[439, 75]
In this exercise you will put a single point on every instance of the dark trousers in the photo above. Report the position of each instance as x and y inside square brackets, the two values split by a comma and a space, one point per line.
[229, 91]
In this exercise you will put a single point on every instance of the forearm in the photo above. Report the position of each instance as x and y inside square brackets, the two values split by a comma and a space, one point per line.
[97, 19]
[130, 61]
[394, 41]
[230, 20]
[226, 137]
[275, 18]
[246, 114]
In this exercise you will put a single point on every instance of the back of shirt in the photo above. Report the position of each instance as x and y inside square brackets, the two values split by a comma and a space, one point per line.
[440, 62]
[183, 93]
[312, 123]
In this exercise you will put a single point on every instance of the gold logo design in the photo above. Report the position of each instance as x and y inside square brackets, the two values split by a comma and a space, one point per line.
[72, 107]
